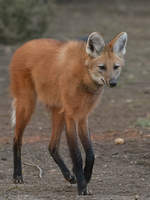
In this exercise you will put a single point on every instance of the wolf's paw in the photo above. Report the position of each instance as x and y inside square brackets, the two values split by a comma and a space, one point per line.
[72, 179]
[18, 179]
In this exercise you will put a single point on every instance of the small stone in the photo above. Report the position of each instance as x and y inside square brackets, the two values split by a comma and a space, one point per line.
[119, 141]
[137, 197]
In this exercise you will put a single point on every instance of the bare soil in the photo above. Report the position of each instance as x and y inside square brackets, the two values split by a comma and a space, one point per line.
[121, 172]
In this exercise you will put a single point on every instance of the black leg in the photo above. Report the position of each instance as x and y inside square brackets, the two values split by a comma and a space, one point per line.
[76, 156]
[24, 111]
[57, 128]
[17, 175]
[86, 142]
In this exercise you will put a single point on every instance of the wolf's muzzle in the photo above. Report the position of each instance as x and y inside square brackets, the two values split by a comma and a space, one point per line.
[112, 82]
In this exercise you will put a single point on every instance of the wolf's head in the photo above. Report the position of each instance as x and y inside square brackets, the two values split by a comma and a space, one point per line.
[105, 61]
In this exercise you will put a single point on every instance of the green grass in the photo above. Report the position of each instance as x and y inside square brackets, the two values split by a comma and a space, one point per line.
[143, 122]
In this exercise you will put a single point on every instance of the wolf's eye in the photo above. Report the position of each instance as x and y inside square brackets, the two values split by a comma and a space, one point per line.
[116, 67]
[102, 67]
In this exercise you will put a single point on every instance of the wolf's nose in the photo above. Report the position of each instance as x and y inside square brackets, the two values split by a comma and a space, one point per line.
[112, 83]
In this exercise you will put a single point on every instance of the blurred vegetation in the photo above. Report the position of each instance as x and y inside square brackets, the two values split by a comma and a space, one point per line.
[23, 20]
[143, 122]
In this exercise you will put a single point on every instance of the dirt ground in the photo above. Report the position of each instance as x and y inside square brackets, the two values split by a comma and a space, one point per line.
[121, 172]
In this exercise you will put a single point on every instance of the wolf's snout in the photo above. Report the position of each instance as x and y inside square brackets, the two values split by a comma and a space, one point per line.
[113, 83]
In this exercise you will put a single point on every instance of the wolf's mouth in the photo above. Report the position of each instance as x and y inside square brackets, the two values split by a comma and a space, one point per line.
[104, 83]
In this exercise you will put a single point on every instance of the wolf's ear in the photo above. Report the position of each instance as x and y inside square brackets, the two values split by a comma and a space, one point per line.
[119, 44]
[95, 44]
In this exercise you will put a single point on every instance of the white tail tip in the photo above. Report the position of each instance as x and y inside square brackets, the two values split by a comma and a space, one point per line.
[13, 113]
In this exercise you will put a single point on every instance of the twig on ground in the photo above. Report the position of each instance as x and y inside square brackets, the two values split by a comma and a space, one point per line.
[37, 166]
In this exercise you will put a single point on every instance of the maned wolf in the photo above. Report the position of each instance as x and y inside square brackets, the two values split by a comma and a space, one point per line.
[68, 77]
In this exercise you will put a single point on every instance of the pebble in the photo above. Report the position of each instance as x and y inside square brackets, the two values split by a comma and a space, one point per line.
[119, 141]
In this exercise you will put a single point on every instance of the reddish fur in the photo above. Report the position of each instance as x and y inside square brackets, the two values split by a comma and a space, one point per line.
[54, 71]
[59, 75]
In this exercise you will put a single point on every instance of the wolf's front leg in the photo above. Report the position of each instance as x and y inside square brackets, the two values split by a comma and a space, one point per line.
[76, 156]
[87, 145]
